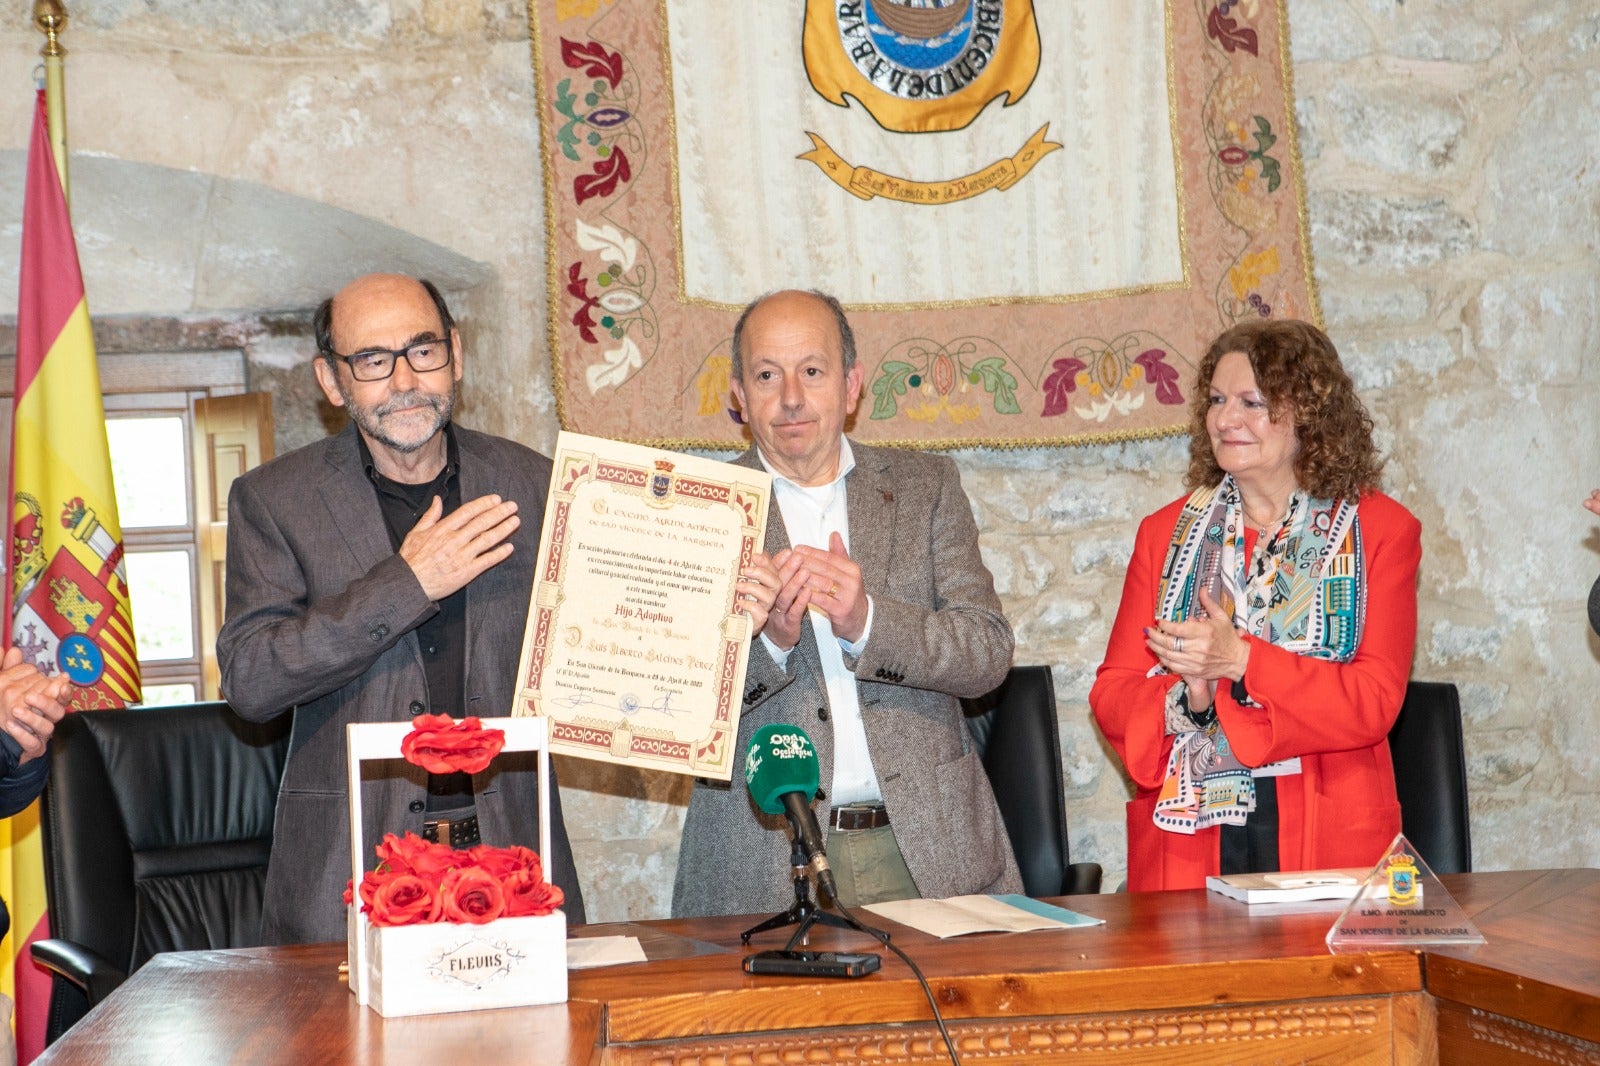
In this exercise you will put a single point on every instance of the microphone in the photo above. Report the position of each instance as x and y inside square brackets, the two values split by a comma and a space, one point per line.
[781, 772]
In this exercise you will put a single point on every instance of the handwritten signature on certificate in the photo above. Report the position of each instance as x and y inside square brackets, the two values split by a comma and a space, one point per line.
[628, 704]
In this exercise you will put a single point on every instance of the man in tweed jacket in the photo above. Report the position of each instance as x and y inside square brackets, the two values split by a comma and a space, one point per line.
[875, 614]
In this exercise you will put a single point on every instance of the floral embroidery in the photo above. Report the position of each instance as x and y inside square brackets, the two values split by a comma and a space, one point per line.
[600, 120]
[623, 304]
[1113, 375]
[1228, 33]
[1250, 270]
[942, 376]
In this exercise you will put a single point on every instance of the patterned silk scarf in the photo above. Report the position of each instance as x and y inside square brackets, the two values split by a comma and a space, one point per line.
[1304, 589]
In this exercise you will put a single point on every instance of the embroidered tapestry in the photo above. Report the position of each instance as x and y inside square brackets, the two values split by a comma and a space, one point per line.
[1038, 213]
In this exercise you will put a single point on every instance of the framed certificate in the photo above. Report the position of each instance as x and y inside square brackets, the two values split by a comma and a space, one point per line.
[634, 650]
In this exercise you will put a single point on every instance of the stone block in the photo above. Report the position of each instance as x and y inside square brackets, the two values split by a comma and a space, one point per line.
[1450, 40]
[997, 500]
[1538, 327]
[1481, 703]
[1573, 732]
[1584, 36]
[1377, 364]
[1366, 230]
[1502, 758]
[1074, 677]
[1452, 642]
[1076, 503]
[1056, 620]
[1103, 555]
[1405, 128]
[1020, 570]
[1542, 177]
[1327, 31]
[1353, 304]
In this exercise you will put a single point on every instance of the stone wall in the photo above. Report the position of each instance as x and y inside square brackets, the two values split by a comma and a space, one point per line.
[1452, 159]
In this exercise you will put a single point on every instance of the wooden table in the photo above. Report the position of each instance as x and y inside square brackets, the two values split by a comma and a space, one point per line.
[1176, 977]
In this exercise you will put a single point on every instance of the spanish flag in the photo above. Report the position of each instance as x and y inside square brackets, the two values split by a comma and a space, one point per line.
[67, 597]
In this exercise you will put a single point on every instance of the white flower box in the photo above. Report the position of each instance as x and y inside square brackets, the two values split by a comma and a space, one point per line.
[442, 967]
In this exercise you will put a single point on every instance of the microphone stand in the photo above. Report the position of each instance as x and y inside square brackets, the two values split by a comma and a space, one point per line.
[805, 913]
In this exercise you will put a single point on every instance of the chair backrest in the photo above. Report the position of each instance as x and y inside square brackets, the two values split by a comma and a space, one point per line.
[1430, 776]
[1014, 728]
[157, 825]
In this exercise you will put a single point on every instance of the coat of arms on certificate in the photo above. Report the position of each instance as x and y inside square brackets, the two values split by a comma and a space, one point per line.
[634, 649]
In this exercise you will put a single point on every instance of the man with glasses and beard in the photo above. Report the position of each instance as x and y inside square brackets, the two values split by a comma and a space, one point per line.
[376, 575]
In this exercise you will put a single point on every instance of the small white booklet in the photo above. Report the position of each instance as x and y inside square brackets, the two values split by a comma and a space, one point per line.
[1289, 886]
[960, 915]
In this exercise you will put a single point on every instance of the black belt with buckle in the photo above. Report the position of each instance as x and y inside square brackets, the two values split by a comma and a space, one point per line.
[853, 819]
[458, 832]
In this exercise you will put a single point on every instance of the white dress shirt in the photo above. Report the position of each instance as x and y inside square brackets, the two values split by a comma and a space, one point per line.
[810, 515]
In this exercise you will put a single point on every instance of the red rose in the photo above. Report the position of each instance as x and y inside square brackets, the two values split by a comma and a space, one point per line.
[441, 745]
[503, 862]
[371, 881]
[425, 858]
[404, 899]
[395, 853]
[528, 893]
[471, 895]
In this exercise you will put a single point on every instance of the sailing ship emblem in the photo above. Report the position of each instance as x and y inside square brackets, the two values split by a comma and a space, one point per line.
[924, 19]
[921, 66]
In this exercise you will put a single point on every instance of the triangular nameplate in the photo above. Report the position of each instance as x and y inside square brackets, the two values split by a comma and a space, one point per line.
[1401, 904]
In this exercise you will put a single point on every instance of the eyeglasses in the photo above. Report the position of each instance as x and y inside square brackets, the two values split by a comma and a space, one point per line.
[377, 364]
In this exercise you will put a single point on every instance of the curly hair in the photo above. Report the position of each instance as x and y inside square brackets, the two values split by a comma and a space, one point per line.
[1297, 369]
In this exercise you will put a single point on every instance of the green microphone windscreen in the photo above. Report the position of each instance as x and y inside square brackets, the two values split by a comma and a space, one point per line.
[780, 760]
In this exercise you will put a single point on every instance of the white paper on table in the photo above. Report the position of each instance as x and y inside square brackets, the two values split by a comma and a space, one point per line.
[587, 952]
[960, 915]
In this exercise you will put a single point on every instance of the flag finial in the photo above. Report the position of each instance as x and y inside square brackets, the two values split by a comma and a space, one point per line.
[50, 16]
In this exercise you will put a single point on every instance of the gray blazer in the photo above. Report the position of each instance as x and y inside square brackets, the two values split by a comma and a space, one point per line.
[321, 620]
[937, 634]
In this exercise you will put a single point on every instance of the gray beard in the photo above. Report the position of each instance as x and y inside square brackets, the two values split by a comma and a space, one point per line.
[370, 419]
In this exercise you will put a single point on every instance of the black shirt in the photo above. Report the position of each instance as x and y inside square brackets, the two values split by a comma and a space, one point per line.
[443, 637]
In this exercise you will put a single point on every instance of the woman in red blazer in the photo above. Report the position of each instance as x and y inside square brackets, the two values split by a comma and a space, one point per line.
[1262, 647]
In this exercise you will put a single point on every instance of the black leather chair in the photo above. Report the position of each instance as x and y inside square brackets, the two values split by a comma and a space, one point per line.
[1430, 775]
[1018, 739]
[157, 824]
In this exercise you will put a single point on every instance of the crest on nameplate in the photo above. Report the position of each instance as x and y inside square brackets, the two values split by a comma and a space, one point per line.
[1401, 872]
[1401, 904]
[921, 66]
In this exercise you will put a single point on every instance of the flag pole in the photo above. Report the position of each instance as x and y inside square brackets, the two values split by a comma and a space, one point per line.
[50, 17]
